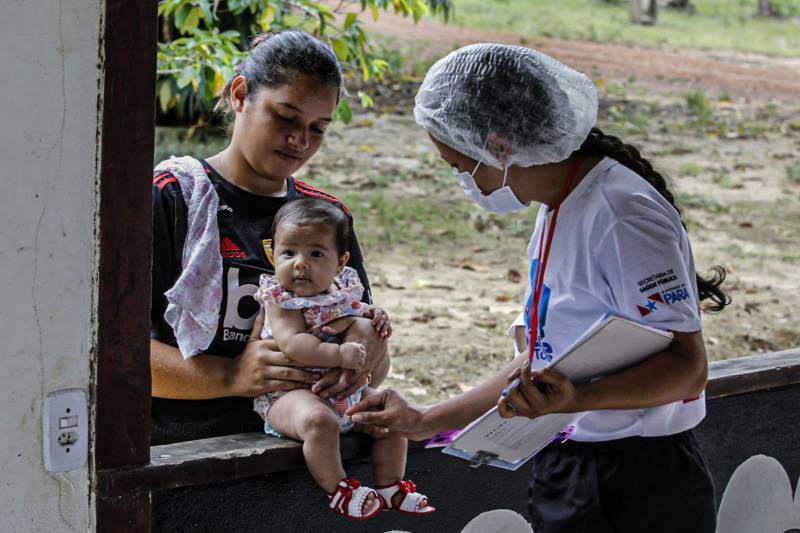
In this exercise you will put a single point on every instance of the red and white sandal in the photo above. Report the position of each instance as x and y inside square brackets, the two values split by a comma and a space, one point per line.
[349, 497]
[412, 503]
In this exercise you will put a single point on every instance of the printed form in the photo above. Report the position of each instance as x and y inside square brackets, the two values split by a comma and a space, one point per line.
[610, 345]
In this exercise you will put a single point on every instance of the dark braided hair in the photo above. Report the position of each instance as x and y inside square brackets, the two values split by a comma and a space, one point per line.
[599, 144]
[276, 59]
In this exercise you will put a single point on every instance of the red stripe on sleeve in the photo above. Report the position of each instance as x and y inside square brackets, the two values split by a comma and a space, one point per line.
[161, 176]
[310, 190]
[164, 183]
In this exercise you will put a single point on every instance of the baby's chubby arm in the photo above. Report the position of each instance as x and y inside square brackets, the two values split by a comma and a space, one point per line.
[289, 330]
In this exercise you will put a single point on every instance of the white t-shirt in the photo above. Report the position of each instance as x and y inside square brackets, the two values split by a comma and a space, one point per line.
[618, 245]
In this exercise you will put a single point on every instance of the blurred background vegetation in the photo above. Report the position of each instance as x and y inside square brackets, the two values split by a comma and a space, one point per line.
[710, 24]
[200, 41]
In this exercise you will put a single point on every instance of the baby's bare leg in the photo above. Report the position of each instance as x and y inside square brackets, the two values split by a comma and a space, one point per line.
[304, 416]
[388, 456]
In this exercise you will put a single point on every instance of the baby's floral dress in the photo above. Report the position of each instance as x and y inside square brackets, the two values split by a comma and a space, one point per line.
[343, 299]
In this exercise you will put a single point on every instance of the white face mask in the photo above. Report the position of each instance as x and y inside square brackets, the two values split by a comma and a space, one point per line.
[502, 200]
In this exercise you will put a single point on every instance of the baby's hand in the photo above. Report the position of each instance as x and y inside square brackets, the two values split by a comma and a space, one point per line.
[380, 321]
[353, 355]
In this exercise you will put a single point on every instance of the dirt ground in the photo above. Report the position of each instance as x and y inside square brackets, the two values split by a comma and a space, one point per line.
[450, 275]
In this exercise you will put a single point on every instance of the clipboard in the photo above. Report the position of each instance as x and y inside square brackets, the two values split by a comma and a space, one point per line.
[612, 344]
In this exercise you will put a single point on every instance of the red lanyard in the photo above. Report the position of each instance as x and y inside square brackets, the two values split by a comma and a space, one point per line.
[541, 260]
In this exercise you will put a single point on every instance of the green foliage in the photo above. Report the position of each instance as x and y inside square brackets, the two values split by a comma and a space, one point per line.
[193, 70]
[202, 41]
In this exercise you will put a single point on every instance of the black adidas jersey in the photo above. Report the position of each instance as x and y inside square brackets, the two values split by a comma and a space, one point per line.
[245, 222]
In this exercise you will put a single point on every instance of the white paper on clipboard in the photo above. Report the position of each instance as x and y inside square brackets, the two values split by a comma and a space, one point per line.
[610, 345]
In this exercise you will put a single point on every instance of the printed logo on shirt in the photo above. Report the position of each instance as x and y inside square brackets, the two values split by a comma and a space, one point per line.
[651, 304]
[267, 243]
[240, 308]
[656, 280]
[542, 351]
[670, 296]
[224, 207]
[229, 250]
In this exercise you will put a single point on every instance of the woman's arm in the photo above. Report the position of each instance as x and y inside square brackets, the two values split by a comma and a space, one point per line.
[258, 369]
[419, 423]
[678, 373]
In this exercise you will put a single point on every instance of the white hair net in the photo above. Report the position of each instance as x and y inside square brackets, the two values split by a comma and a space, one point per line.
[506, 105]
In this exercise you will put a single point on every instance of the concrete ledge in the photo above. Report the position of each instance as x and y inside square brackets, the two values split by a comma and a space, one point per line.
[753, 373]
[217, 459]
[235, 457]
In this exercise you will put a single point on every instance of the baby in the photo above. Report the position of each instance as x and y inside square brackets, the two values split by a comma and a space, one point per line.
[310, 288]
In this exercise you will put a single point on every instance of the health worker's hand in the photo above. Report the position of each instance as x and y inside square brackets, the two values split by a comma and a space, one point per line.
[340, 383]
[540, 392]
[388, 410]
[262, 368]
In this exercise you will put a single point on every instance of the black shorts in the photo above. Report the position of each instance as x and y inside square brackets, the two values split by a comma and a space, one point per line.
[631, 485]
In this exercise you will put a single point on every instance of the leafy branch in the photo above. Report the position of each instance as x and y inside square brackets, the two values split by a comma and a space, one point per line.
[202, 41]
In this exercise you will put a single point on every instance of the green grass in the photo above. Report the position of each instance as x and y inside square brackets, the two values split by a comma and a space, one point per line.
[694, 201]
[691, 169]
[699, 106]
[793, 172]
[384, 220]
[723, 179]
[182, 141]
[716, 24]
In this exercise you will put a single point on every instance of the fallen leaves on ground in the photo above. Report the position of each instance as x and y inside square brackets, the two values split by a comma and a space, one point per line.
[475, 267]
[487, 323]
[513, 275]
[424, 318]
[425, 284]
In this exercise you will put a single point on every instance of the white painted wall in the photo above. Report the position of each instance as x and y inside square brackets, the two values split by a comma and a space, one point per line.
[48, 202]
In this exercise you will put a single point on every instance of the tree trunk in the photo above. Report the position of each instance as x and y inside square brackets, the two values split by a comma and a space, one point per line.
[765, 8]
[643, 12]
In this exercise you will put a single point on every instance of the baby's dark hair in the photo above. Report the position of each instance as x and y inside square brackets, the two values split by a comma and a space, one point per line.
[276, 59]
[600, 144]
[307, 211]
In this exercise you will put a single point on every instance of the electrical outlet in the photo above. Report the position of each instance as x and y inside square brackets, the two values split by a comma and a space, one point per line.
[66, 430]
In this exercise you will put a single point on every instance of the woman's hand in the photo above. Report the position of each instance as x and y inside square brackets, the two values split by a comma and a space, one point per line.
[341, 383]
[540, 392]
[388, 410]
[262, 368]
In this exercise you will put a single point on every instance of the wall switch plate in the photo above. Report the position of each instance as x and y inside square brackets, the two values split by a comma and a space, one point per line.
[66, 430]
